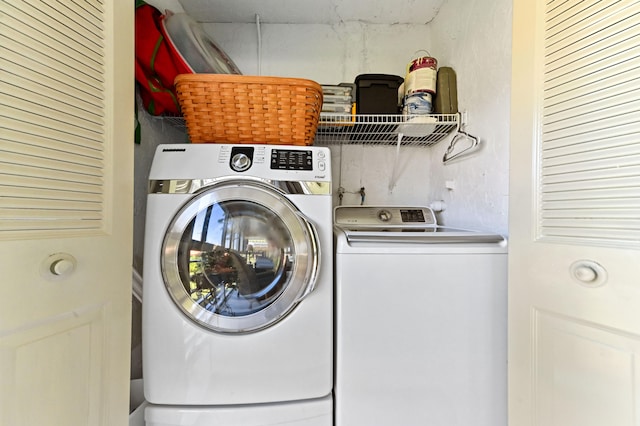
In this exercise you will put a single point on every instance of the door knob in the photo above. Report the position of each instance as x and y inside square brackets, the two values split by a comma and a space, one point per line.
[58, 266]
[588, 273]
[62, 267]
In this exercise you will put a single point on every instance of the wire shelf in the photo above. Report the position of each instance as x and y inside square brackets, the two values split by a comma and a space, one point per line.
[341, 129]
[174, 120]
[415, 130]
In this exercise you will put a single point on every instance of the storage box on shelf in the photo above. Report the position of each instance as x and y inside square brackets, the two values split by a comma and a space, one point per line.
[377, 93]
[338, 100]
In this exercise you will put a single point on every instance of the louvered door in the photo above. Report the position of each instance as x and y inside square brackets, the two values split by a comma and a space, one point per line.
[590, 160]
[53, 110]
[66, 141]
[574, 291]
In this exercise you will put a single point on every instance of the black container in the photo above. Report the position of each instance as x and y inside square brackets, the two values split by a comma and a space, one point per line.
[377, 93]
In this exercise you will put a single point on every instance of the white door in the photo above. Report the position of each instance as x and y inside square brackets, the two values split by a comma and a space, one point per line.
[574, 286]
[66, 142]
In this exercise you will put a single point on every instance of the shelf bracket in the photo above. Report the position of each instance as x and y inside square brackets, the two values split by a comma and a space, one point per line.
[394, 172]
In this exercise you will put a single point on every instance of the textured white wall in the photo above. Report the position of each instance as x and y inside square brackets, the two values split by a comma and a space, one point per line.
[326, 53]
[472, 36]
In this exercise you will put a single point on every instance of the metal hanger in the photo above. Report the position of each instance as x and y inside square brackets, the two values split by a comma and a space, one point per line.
[460, 135]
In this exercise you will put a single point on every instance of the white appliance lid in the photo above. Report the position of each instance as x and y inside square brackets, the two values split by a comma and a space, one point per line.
[395, 224]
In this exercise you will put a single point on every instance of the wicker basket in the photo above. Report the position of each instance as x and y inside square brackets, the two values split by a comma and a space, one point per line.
[226, 108]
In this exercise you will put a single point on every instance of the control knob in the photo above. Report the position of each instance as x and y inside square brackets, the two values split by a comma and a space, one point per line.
[384, 215]
[240, 162]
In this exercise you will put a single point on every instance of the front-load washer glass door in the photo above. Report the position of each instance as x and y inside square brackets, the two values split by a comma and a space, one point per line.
[239, 256]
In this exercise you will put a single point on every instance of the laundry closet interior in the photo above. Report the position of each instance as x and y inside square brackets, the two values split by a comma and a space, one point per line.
[332, 42]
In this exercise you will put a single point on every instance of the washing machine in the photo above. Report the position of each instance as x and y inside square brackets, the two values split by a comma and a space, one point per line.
[238, 276]
[421, 320]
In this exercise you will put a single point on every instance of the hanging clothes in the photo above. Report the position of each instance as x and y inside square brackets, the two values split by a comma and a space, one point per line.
[156, 62]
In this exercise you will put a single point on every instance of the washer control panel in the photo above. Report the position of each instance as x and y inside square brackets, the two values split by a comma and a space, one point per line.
[184, 168]
[242, 158]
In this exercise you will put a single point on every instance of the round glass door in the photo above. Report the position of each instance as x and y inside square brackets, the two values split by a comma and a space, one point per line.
[239, 257]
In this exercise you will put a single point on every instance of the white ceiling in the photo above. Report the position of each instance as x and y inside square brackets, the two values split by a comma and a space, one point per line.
[313, 11]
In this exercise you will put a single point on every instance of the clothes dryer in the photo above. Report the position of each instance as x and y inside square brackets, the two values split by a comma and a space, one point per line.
[238, 274]
[421, 320]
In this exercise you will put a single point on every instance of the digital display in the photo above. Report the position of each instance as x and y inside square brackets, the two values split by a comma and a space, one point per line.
[413, 216]
[285, 159]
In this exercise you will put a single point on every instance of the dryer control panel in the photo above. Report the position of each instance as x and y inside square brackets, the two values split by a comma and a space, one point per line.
[384, 216]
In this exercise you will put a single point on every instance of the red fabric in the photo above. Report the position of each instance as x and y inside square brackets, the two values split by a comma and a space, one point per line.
[157, 64]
